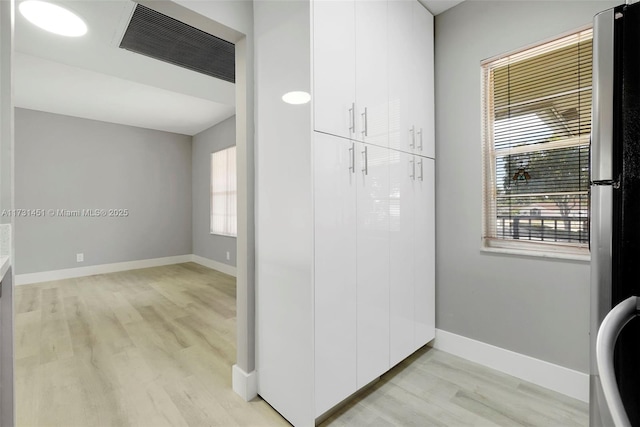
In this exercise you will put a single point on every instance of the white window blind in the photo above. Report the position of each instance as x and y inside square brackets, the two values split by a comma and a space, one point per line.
[536, 126]
[223, 192]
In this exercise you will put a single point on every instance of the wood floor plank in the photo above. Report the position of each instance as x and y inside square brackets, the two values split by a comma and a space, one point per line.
[222, 344]
[161, 360]
[574, 408]
[147, 402]
[28, 300]
[63, 395]
[27, 390]
[197, 404]
[55, 339]
[28, 326]
[79, 323]
[100, 397]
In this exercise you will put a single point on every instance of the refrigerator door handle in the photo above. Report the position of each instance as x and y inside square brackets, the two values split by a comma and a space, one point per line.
[614, 183]
[608, 333]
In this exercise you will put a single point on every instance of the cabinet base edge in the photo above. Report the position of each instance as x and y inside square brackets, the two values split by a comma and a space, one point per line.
[345, 402]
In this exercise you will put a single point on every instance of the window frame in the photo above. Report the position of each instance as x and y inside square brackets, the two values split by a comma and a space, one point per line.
[491, 242]
[230, 194]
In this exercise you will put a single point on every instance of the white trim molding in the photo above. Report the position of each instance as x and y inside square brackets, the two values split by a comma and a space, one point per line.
[548, 375]
[224, 268]
[244, 384]
[90, 270]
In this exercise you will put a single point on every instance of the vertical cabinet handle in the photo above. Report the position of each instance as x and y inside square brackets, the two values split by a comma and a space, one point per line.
[365, 160]
[421, 177]
[352, 118]
[420, 133]
[412, 166]
[412, 141]
[365, 130]
[352, 159]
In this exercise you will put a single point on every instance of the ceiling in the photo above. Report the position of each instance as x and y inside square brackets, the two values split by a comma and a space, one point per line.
[91, 77]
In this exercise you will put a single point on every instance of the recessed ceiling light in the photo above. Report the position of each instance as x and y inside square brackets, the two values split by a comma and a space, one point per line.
[53, 18]
[296, 97]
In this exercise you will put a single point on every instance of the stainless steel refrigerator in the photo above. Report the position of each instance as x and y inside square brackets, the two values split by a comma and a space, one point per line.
[615, 208]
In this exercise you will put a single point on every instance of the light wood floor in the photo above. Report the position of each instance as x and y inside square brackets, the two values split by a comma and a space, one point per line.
[154, 347]
[151, 347]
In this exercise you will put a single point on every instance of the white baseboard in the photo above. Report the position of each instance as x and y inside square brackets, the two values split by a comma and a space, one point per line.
[548, 375]
[224, 268]
[244, 384]
[90, 270]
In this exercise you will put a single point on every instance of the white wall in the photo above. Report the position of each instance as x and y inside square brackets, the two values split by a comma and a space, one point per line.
[235, 14]
[538, 307]
[70, 163]
[205, 244]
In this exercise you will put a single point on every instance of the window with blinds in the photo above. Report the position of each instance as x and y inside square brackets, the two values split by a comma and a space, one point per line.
[536, 126]
[223, 192]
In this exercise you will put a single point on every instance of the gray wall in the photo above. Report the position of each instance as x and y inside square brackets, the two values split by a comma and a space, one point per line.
[65, 162]
[205, 244]
[7, 403]
[6, 107]
[538, 307]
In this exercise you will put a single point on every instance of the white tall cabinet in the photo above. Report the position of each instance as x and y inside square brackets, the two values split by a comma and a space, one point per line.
[344, 197]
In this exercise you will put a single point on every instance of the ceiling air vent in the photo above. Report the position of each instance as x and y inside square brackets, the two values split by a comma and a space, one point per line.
[159, 36]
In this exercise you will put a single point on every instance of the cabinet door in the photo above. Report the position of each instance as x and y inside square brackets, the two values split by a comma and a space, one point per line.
[424, 251]
[373, 263]
[371, 72]
[401, 74]
[334, 67]
[335, 270]
[423, 81]
[401, 258]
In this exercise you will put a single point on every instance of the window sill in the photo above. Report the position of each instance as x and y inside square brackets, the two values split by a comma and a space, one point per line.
[538, 254]
[222, 234]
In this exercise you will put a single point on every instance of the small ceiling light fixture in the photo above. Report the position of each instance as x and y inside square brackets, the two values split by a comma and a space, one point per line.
[296, 97]
[53, 18]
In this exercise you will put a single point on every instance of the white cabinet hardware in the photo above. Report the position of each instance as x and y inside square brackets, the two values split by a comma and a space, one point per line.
[364, 123]
[352, 118]
[352, 158]
[365, 160]
[412, 142]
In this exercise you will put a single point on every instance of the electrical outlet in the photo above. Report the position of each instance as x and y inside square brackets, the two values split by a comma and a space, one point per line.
[79, 257]
[228, 256]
